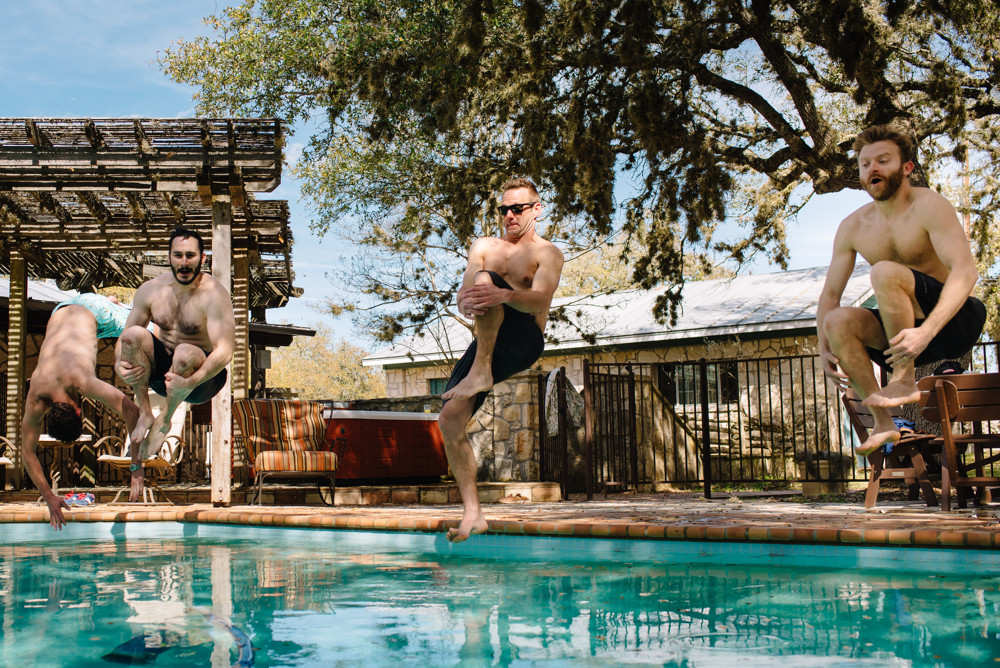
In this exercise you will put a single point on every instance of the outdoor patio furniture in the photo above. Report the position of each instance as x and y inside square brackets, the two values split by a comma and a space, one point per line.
[889, 466]
[5, 461]
[971, 400]
[115, 452]
[283, 438]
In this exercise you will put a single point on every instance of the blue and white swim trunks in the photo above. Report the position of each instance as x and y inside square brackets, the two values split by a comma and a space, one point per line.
[111, 317]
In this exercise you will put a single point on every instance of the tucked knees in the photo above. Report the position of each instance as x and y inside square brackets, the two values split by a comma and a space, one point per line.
[135, 338]
[887, 275]
[852, 323]
[187, 359]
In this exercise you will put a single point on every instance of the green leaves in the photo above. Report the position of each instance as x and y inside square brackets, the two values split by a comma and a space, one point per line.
[710, 107]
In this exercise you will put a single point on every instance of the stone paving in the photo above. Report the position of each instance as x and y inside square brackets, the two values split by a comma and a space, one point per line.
[650, 517]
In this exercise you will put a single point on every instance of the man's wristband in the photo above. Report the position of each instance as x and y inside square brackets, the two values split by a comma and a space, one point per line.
[133, 467]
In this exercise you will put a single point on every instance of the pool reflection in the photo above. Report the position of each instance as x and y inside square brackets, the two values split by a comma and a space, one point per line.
[303, 605]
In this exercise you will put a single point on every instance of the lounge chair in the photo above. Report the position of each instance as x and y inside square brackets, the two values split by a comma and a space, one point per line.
[5, 462]
[283, 438]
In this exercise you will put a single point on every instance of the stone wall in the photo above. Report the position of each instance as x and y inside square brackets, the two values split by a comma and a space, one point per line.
[504, 432]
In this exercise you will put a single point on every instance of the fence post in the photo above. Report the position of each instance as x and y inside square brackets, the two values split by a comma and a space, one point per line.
[543, 431]
[588, 432]
[633, 449]
[563, 431]
[706, 447]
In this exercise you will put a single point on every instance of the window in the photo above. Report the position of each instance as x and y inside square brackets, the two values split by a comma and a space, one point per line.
[680, 383]
[436, 385]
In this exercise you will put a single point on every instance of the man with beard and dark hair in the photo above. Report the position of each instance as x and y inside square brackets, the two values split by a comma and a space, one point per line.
[186, 360]
[64, 375]
[922, 273]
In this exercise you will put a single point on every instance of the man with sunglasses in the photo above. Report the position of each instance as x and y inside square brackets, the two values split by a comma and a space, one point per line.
[507, 289]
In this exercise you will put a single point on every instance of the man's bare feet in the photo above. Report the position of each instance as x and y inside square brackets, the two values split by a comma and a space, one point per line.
[138, 482]
[876, 439]
[469, 526]
[157, 434]
[142, 426]
[470, 386]
[896, 393]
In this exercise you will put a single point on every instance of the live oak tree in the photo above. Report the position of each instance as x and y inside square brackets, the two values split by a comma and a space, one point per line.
[654, 119]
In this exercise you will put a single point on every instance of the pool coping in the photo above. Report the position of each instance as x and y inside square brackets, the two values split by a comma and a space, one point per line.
[889, 527]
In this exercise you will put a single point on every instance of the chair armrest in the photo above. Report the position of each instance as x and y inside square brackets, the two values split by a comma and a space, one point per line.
[175, 446]
[5, 445]
[109, 445]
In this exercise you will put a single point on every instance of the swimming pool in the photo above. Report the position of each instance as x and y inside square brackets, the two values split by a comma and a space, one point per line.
[164, 591]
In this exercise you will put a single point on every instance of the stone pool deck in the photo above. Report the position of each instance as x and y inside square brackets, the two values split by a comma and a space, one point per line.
[643, 516]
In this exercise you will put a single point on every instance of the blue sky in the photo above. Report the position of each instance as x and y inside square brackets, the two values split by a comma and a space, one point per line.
[97, 58]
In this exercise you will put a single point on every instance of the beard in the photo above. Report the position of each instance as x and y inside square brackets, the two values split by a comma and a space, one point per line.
[891, 183]
[186, 281]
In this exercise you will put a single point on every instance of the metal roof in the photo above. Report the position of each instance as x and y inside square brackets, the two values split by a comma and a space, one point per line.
[742, 305]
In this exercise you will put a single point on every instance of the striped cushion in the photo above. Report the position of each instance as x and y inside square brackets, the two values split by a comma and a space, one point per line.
[282, 425]
[302, 426]
[283, 460]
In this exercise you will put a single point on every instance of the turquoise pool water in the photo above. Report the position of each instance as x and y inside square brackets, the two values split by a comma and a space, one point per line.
[166, 594]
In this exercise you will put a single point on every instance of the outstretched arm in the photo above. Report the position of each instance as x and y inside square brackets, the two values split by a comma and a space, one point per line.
[839, 273]
[113, 398]
[30, 431]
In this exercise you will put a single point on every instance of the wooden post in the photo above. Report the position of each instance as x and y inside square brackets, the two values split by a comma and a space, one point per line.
[588, 439]
[241, 348]
[241, 309]
[563, 431]
[17, 311]
[222, 403]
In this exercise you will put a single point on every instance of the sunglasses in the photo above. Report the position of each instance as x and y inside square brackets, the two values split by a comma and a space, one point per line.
[515, 208]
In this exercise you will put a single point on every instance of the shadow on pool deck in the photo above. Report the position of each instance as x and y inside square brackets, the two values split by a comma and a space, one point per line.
[679, 516]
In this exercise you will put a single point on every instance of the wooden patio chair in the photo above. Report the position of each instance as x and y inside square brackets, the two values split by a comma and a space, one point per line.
[5, 462]
[971, 399]
[283, 438]
[159, 466]
[888, 466]
[115, 452]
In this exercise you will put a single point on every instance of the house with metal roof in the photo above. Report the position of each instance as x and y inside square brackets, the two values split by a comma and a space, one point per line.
[746, 316]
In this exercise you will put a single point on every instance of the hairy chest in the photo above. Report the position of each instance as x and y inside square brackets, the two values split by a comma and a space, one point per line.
[183, 319]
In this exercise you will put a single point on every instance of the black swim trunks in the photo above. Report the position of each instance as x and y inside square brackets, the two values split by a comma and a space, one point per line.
[519, 344]
[162, 361]
[955, 339]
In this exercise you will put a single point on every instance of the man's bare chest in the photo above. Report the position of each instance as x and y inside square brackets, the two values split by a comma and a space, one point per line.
[905, 244]
[184, 319]
[516, 266]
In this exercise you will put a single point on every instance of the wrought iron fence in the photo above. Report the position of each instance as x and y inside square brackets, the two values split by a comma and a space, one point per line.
[760, 420]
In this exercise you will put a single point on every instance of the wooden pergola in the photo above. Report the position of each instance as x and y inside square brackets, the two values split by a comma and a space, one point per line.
[91, 203]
